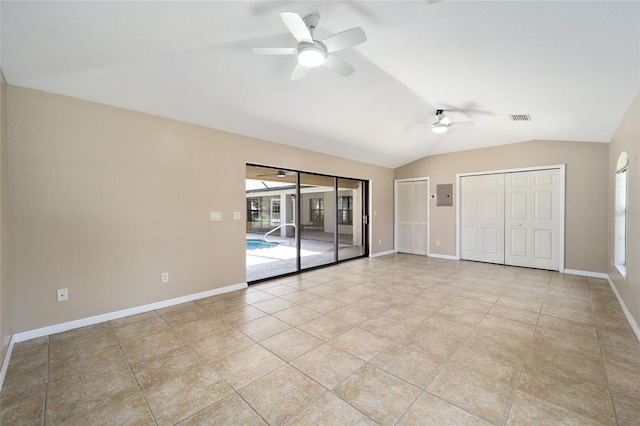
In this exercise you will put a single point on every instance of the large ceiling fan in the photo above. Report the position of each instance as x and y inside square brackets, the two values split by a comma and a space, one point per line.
[442, 123]
[313, 53]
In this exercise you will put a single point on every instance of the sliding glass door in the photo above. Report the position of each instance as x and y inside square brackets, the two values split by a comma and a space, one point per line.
[270, 237]
[317, 220]
[352, 218]
[298, 221]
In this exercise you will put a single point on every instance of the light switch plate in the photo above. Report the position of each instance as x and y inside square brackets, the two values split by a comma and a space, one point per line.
[237, 215]
[215, 216]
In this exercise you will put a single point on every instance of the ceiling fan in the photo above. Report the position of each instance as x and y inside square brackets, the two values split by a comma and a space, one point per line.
[442, 123]
[312, 53]
[280, 174]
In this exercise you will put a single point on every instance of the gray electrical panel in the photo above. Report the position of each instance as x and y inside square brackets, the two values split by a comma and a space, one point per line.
[444, 194]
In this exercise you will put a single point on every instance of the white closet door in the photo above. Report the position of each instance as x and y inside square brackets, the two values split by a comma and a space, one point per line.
[419, 217]
[412, 217]
[482, 211]
[532, 219]
[403, 218]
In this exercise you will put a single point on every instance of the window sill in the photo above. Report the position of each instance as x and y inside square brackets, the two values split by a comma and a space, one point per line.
[622, 269]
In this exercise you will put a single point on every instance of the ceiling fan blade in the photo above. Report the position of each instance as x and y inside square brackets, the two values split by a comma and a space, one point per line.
[274, 50]
[299, 72]
[296, 25]
[462, 123]
[338, 65]
[345, 39]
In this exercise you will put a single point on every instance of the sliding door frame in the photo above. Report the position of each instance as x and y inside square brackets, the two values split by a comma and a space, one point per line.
[365, 194]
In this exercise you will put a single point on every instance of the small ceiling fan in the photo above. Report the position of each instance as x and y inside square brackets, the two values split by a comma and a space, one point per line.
[280, 174]
[313, 53]
[442, 123]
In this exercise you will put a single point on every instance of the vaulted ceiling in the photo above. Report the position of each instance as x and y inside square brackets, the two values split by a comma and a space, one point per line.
[573, 66]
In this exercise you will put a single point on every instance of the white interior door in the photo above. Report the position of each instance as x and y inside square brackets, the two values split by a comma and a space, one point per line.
[532, 219]
[482, 212]
[403, 216]
[419, 217]
[412, 217]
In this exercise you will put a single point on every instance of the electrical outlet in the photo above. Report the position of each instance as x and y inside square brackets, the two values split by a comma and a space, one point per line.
[165, 277]
[63, 294]
[437, 243]
[379, 242]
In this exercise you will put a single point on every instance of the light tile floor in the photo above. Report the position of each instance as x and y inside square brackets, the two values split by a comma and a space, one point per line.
[399, 339]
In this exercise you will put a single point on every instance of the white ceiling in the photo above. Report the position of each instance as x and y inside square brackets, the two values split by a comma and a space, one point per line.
[573, 66]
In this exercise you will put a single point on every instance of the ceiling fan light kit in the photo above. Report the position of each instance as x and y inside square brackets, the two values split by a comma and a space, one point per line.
[439, 128]
[312, 53]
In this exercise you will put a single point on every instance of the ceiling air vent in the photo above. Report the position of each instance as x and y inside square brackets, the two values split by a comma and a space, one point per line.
[520, 117]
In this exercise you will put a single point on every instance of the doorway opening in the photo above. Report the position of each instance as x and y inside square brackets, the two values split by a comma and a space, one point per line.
[298, 221]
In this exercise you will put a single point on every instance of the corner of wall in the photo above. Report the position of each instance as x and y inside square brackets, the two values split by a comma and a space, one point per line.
[6, 329]
[627, 288]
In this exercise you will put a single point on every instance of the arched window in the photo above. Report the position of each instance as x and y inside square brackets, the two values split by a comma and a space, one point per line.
[620, 236]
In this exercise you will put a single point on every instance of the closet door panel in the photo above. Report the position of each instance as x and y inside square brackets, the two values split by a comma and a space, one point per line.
[404, 238]
[543, 245]
[532, 219]
[420, 217]
[482, 199]
[404, 217]
[412, 217]
[546, 219]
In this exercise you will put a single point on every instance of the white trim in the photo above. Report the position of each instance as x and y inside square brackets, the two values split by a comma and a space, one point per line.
[382, 253]
[395, 210]
[70, 325]
[5, 363]
[562, 168]
[516, 170]
[443, 256]
[370, 215]
[632, 321]
[586, 273]
[563, 183]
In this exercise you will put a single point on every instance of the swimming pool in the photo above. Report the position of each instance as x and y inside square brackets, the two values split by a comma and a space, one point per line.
[259, 244]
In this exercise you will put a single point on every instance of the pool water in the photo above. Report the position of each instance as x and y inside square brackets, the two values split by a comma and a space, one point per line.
[259, 244]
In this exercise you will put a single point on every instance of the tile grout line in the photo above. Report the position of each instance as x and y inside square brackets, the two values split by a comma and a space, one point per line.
[189, 343]
[46, 384]
[524, 362]
[234, 390]
[604, 363]
[126, 360]
[444, 364]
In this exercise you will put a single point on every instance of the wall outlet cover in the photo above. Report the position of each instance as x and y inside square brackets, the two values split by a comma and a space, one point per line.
[63, 294]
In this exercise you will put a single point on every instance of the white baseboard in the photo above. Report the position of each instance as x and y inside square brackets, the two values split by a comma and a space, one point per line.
[382, 253]
[5, 363]
[65, 326]
[632, 321]
[442, 256]
[587, 273]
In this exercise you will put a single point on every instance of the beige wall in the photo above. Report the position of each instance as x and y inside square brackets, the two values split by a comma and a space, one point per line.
[627, 138]
[586, 192]
[104, 200]
[6, 329]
